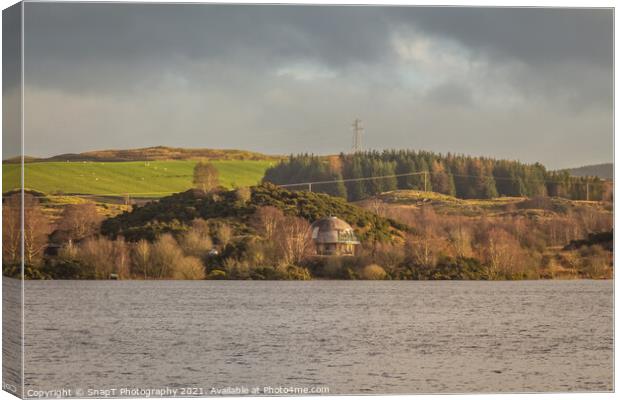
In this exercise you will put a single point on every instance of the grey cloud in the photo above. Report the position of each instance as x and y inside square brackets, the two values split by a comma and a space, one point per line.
[450, 93]
[334, 34]
[11, 82]
[11, 45]
[284, 79]
[531, 35]
[562, 54]
[130, 39]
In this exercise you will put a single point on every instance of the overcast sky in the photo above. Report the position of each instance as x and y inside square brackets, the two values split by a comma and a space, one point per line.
[527, 84]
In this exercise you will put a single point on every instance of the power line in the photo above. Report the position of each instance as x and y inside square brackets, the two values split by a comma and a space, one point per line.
[426, 175]
[351, 179]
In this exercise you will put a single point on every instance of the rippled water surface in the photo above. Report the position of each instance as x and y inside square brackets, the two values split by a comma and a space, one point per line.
[352, 337]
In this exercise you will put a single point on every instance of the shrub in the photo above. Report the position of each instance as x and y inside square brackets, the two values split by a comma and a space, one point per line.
[164, 254]
[595, 262]
[141, 260]
[298, 273]
[243, 195]
[30, 271]
[223, 234]
[461, 268]
[67, 269]
[216, 274]
[195, 244]
[373, 272]
[97, 254]
[188, 268]
[236, 269]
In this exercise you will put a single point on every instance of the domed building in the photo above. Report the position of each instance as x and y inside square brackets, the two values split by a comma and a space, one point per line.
[334, 237]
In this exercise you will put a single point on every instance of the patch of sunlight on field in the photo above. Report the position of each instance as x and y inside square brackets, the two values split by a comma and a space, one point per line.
[140, 178]
[10, 177]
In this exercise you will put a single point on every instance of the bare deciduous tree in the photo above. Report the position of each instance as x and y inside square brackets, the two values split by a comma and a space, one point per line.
[224, 234]
[80, 220]
[201, 227]
[188, 268]
[206, 177]
[141, 259]
[165, 252]
[98, 254]
[293, 239]
[422, 249]
[11, 229]
[266, 220]
[122, 258]
[377, 206]
[459, 237]
[503, 254]
[37, 227]
[243, 194]
[195, 244]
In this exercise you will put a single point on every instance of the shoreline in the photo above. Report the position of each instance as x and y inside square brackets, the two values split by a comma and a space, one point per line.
[308, 280]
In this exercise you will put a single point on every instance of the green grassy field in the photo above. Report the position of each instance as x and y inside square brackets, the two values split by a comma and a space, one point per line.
[139, 178]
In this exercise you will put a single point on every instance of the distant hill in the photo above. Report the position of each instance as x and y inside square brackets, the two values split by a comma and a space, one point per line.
[155, 154]
[603, 171]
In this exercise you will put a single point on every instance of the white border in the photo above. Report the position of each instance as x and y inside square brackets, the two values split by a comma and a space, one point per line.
[482, 3]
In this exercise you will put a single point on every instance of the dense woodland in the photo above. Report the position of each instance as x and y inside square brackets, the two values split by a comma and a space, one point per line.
[462, 176]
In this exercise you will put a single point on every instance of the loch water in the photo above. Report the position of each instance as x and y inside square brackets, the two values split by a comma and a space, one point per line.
[344, 337]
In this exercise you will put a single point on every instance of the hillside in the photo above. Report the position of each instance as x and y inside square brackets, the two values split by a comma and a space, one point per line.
[142, 179]
[173, 214]
[262, 232]
[409, 234]
[540, 237]
[495, 207]
[158, 153]
[603, 171]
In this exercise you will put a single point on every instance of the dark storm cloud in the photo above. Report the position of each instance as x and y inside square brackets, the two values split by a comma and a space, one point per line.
[11, 82]
[131, 39]
[568, 52]
[534, 36]
[11, 45]
[334, 35]
[123, 75]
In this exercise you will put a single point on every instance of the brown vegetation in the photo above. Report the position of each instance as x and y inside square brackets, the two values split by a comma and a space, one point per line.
[439, 237]
[373, 272]
[157, 153]
[11, 229]
[206, 177]
[510, 239]
[36, 228]
[79, 221]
